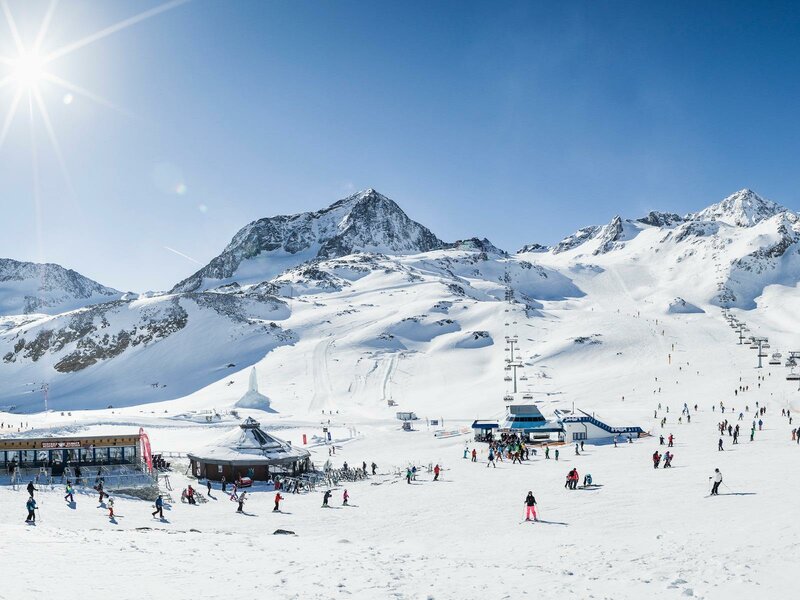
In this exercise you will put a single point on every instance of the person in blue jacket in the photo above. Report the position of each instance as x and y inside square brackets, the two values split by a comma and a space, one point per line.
[31, 506]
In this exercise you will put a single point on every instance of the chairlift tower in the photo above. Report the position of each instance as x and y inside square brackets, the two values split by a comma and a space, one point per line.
[511, 340]
[759, 343]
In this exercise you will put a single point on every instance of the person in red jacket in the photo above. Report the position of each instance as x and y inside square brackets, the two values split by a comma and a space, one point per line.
[278, 499]
[474, 455]
[575, 478]
[436, 473]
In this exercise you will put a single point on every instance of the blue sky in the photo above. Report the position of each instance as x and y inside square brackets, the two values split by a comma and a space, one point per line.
[518, 121]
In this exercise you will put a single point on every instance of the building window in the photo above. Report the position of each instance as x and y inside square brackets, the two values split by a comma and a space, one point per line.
[578, 435]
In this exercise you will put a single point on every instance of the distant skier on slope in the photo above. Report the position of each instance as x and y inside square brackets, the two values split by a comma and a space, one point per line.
[345, 498]
[325, 498]
[31, 506]
[530, 507]
[159, 507]
[717, 477]
[278, 499]
[241, 499]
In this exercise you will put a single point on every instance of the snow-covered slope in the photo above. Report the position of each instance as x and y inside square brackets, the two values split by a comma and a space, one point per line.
[370, 306]
[27, 288]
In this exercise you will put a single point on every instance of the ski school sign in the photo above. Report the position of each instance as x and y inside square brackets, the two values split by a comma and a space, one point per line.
[57, 445]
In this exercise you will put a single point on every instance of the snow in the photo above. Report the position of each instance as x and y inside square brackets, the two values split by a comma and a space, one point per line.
[608, 332]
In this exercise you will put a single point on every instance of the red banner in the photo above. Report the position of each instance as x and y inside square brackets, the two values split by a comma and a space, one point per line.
[144, 442]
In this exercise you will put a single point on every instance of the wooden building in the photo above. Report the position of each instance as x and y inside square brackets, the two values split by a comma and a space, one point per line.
[247, 451]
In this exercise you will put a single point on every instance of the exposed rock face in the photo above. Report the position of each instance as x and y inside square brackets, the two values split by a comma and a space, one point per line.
[745, 208]
[364, 222]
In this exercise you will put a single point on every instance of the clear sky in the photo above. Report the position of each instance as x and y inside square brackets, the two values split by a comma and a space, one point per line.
[518, 121]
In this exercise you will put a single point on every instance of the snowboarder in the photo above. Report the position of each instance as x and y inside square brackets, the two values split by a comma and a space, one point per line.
[717, 477]
[278, 499]
[345, 498]
[31, 506]
[436, 471]
[530, 507]
[325, 499]
[241, 500]
[159, 507]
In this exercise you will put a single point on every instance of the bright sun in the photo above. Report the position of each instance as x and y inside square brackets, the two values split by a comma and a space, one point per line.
[27, 70]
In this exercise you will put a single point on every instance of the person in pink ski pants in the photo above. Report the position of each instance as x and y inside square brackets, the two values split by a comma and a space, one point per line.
[530, 507]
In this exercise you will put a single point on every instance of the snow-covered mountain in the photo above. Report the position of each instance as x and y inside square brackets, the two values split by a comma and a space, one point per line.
[27, 287]
[364, 222]
[745, 208]
[331, 304]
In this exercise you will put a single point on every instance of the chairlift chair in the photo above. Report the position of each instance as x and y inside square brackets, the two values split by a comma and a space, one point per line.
[508, 398]
[524, 378]
[507, 378]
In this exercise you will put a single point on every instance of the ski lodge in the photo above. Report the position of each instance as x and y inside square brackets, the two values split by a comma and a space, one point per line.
[528, 422]
[248, 451]
[55, 454]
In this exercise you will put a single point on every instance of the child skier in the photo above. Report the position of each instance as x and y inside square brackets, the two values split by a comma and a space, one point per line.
[159, 507]
[325, 498]
[278, 499]
[240, 500]
[345, 498]
[530, 507]
[110, 507]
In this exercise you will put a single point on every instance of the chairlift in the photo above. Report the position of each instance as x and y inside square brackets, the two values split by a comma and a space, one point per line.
[793, 377]
[508, 360]
[765, 346]
[524, 378]
[507, 378]
[508, 398]
[753, 346]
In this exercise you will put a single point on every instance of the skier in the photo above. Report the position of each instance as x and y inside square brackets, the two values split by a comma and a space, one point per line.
[474, 455]
[547, 452]
[577, 453]
[224, 484]
[375, 467]
[491, 459]
[325, 499]
[581, 445]
[241, 500]
[110, 507]
[408, 476]
[656, 459]
[190, 495]
[436, 471]
[719, 446]
[345, 498]
[31, 506]
[530, 507]
[466, 452]
[159, 507]
[31, 489]
[587, 480]
[556, 454]
[99, 488]
[69, 493]
[208, 486]
[278, 499]
[717, 477]
[671, 439]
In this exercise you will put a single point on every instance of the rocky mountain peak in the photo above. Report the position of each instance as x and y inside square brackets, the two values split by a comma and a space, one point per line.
[744, 208]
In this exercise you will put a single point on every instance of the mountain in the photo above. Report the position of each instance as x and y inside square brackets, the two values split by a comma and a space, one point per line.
[745, 208]
[27, 287]
[364, 222]
[355, 304]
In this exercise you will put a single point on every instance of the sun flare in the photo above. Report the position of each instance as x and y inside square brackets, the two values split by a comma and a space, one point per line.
[27, 71]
